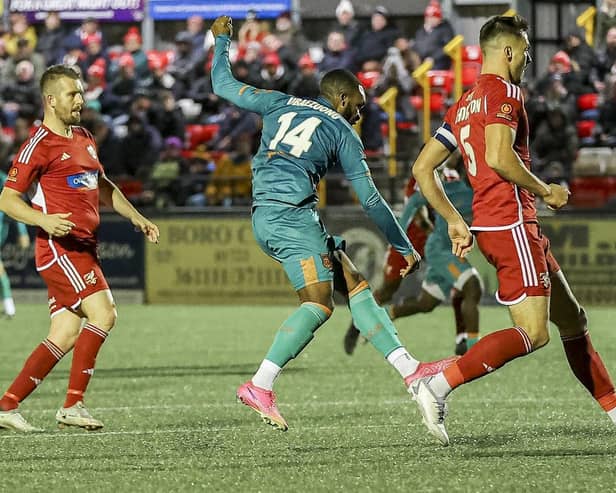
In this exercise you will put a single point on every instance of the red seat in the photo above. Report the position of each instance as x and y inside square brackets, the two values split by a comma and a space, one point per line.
[585, 128]
[588, 101]
[368, 79]
[417, 102]
[198, 134]
[441, 80]
[592, 191]
[472, 53]
[437, 102]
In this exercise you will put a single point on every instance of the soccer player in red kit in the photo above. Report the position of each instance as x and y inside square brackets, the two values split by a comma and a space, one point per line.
[60, 160]
[490, 126]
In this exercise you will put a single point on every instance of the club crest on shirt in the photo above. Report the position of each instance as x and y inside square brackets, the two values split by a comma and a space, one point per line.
[90, 278]
[87, 180]
[91, 151]
[505, 111]
[327, 261]
[12, 176]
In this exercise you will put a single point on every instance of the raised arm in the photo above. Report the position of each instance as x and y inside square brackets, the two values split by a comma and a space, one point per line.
[224, 84]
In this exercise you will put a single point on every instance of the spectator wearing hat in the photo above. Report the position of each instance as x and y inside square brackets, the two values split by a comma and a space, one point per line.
[122, 90]
[95, 82]
[432, 36]
[94, 54]
[89, 27]
[290, 36]
[159, 81]
[374, 43]
[306, 82]
[347, 24]
[183, 66]
[21, 97]
[133, 45]
[19, 29]
[49, 43]
[274, 75]
[337, 53]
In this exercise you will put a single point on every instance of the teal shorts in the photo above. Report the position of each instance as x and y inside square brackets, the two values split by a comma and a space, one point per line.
[446, 271]
[297, 239]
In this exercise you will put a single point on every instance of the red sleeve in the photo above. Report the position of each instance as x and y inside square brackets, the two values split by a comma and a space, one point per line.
[504, 104]
[27, 166]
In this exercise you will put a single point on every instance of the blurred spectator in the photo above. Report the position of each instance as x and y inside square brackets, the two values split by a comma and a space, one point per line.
[19, 29]
[22, 131]
[273, 44]
[238, 128]
[607, 114]
[123, 87]
[183, 64]
[290, 35]
[555, 146]
[606, 57]
[94, 54]
[274, 75]
[230, 182]
[21, 98]
[140, 148]
[395, 74]
[132, 45]
[347, 24]
[251, 30]
[306, 82]
[196, 28]
[73, 53]
[163, 184]
[89, 27]
[430, 38]
[158, 80]
[95, 83]
[50, 41]
[585, 58]
[252, 59]
[201, 91]
[169, 120]
[337, 53]
[109, 147]
[374, 43]
[606, 19]
[24, 52]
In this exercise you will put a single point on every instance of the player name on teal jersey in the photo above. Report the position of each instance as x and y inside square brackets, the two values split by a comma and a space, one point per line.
[314, 105]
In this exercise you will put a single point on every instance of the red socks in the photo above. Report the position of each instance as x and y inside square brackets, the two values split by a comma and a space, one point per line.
[86, 349]
[489, 353]
[589, 369]
[35, 369]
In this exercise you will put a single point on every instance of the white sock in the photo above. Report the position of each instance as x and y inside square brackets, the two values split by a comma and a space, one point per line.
[266, 375]
[612, 415]
[9, 307]
[461, 337]
[439, 385]
[402, 361]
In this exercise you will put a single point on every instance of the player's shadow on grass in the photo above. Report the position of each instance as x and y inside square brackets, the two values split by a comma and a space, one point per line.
[245, 369]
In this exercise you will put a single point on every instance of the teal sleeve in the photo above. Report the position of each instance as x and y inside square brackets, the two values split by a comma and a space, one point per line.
[228, 87]
[352, 159]
[413, 204]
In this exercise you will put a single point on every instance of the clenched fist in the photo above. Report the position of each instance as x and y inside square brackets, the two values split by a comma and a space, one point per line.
[222, 25]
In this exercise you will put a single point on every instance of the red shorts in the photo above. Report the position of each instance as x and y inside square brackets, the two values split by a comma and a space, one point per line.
[72, 278]
[394, 262]
[523, 261]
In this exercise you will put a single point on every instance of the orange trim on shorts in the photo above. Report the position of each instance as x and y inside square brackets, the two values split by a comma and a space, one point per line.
[453, 375]
[327, 311]
[309, 270]
[608, 402]
[472, 335]
[453, 268]
[359, 288]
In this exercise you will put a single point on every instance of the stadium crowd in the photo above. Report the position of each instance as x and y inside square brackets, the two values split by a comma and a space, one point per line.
[167, 139]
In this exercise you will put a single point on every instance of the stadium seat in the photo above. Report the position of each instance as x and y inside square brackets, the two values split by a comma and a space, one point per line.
[592, 191]
[593, 161]
[472, 53]
[199, 134]
[585, 128]
[437, 103]
[369, 78]
[588, 102]
[441, 81]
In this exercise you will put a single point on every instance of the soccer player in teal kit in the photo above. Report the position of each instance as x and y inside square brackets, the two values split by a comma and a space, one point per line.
[301, 140]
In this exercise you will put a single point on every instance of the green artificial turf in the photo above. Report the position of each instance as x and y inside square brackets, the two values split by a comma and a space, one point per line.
[165, 385]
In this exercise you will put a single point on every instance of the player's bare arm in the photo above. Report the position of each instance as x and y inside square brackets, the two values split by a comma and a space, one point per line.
[111, 196]
[503, 159]
[12, 204]
[430, 158]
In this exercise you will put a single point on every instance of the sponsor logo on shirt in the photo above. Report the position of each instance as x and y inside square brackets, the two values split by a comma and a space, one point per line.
[12, 176]
[505, 111]
[87, 180]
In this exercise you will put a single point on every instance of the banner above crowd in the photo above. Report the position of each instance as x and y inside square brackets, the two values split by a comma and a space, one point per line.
[174, 9]
[102, 10]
